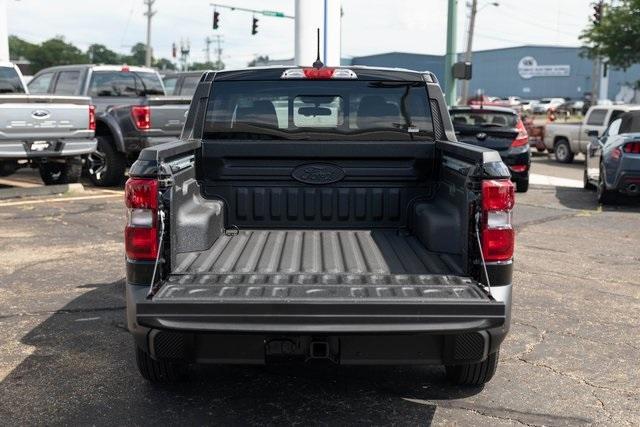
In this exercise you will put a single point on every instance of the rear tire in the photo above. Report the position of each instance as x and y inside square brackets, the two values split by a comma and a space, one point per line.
[473, 374]
[54, 173]
[605, 197]
[563, 152]
[107, 165]
[8, 167]
[522, 185]
[159, 371]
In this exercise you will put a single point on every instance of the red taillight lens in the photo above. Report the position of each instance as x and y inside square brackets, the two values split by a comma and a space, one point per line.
[523, 136]
[141, 115]
[141, 193]
[616, 153]
[632, 147]
[92, 117]
[498, 237]
[497, 195]
[518, 168]
[318, 73]
[141, 231]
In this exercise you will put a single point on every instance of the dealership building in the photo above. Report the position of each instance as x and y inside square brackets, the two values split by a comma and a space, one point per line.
[525, 71]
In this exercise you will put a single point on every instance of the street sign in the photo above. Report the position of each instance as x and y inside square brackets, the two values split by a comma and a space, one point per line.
[272, 13]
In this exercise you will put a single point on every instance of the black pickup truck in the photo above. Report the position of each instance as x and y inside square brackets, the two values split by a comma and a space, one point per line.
[132, 111]
[319, 214]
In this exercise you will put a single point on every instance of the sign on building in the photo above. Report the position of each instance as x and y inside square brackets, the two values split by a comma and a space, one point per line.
[528, 68]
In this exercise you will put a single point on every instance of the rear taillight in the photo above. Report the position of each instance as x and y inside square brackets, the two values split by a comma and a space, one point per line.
[324, 73]
[498, 237]
[141, 231]
[141, 115]
[92, 117]
[523, 136]
[518, 168]
[631, 147]
[616, 153]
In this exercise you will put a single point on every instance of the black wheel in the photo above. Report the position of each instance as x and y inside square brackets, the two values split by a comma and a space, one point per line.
[541, 149]
[106, 165]
[473, 374]
[8, 167]
[563, 152]
[586, 184]
[605, 197]
[67, 172]
[522, 185]
[159, 371]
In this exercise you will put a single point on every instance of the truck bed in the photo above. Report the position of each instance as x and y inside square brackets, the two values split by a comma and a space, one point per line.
[366, 252]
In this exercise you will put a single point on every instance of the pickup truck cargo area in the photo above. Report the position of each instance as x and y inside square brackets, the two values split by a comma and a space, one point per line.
[353, 250]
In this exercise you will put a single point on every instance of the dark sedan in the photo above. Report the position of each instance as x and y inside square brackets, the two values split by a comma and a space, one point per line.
[500, 129]
[613, 160]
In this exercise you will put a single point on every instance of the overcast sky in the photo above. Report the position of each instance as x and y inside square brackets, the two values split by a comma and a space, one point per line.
[369, 26]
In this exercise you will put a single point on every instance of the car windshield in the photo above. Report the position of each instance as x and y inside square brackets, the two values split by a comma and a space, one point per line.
[544, 101]
[483, 118]
[320, 110]
[10, 81]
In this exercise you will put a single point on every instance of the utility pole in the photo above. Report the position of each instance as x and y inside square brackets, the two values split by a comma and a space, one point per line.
[207, 50]
[450, 57]
[149, 14]
[468, 53]
[4, 35]
[219, 52]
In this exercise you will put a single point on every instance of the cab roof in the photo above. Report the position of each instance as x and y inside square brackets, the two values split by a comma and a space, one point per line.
[363, 73]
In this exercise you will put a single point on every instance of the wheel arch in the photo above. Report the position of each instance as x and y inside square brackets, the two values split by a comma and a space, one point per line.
[106, 126]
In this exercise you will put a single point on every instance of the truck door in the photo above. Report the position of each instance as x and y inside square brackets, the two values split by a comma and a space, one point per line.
[595, 120]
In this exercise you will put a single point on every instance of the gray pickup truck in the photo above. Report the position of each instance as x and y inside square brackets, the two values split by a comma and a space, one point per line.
[319, 214]
[132, 111]
[51, 133]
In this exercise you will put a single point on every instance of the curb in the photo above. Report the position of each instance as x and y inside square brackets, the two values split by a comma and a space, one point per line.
[45, 190]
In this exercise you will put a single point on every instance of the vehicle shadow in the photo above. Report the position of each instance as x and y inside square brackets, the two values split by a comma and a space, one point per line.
[81, 370]
[577, 198]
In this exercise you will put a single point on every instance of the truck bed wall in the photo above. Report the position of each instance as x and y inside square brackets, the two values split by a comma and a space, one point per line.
[386, 186]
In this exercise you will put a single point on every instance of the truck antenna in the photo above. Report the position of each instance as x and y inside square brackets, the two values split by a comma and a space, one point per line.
[318, 64]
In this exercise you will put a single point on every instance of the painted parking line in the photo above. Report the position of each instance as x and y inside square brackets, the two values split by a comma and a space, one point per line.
[554, 181]
[60, 199]
[19, 183]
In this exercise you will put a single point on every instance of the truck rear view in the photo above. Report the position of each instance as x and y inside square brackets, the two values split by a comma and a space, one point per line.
[319, 214]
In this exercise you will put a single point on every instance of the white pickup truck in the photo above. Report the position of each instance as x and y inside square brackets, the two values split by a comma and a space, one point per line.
[566, 140]
[51, 133]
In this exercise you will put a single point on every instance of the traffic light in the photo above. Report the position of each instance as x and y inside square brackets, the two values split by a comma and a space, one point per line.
[254, 27]
[597, 12]
[216, 18]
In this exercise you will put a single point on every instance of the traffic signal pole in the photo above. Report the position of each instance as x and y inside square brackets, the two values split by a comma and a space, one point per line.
[450, 57]
[4, 33]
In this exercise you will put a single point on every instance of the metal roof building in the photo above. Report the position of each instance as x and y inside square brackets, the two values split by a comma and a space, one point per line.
[524, 71]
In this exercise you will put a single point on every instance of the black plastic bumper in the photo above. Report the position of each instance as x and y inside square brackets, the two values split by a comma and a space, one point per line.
[347, 332]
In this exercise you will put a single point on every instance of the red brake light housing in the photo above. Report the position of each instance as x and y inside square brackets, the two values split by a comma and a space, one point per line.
[498, 236]
[324, 73]
[92, 117]
[631, 147]
[141, 115]
[523, 136]
[141, 231]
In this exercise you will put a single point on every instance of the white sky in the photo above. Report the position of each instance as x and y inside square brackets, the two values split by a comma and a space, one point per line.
[369, 26]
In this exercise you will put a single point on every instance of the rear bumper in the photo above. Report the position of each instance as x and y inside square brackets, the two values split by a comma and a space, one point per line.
[54, 148]
[357, 332]
[518, 156]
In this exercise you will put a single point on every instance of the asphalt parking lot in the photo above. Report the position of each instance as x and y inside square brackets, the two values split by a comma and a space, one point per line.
[571, 358]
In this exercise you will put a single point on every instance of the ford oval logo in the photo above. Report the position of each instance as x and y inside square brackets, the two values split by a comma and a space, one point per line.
[318, 173]
[40, 114]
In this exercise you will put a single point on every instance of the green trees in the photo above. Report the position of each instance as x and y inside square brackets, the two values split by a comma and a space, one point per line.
[57, 51]
[617, 36]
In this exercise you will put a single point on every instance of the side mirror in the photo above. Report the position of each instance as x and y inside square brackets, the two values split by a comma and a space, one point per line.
[593, 133]
[462, 70]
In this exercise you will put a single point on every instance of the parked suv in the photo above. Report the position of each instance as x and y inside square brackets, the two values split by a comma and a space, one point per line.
[132, 111]
[319, 214]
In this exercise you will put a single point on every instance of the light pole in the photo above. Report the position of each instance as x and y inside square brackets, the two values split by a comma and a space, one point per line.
[450, 57]
[469, 50]
[4, 32]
